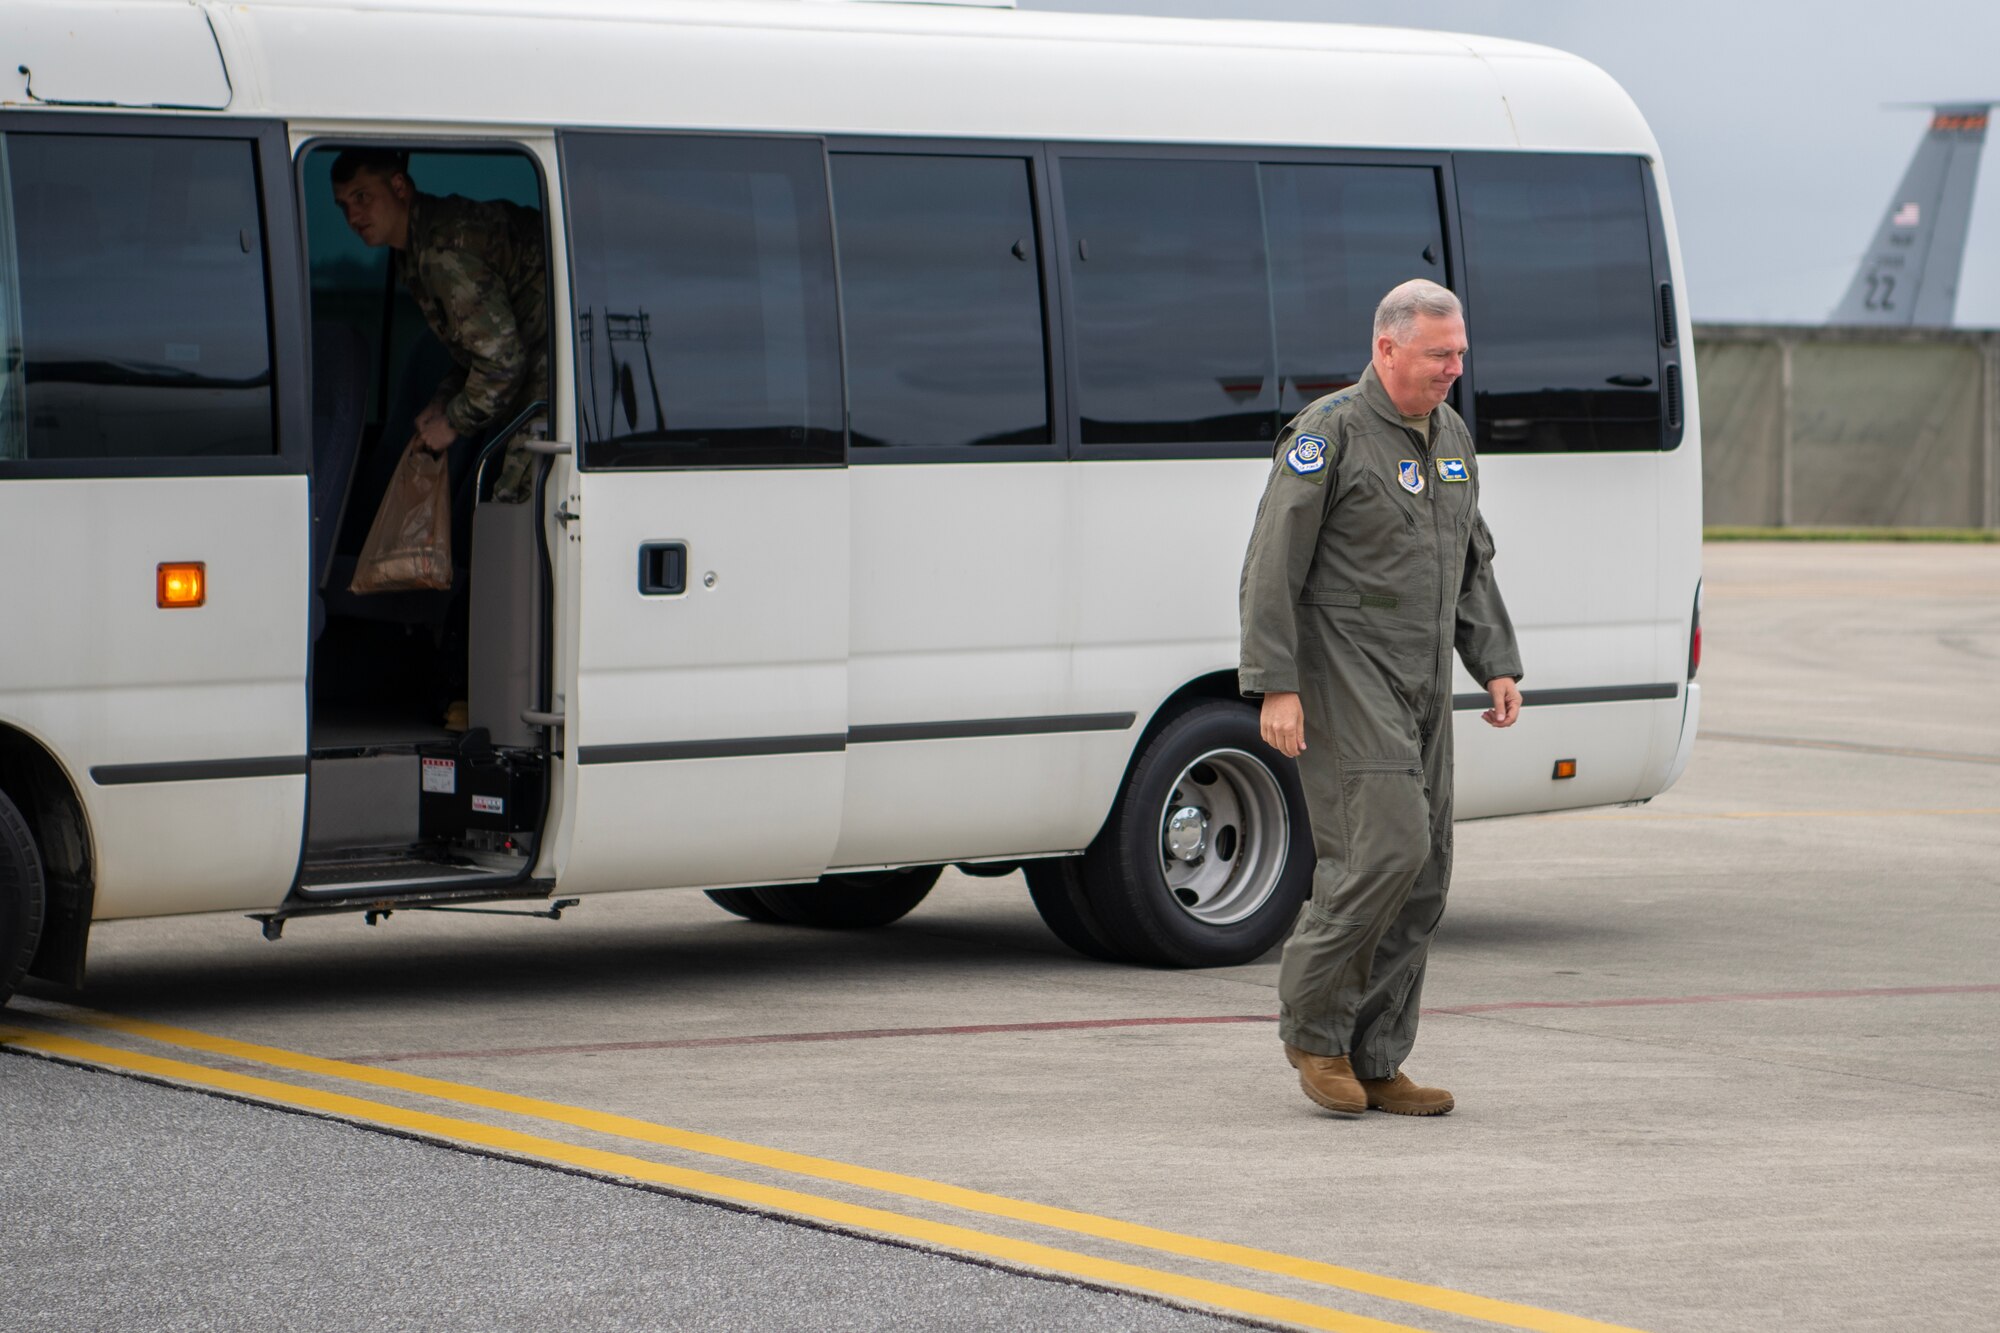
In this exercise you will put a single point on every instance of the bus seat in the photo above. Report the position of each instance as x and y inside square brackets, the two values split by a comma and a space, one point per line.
[426, 364]
[339, 406]
[423, 366]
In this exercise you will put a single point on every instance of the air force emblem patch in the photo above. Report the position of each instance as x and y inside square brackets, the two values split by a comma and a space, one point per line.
[1411, 474]
[1307, 455]
[1452, 469]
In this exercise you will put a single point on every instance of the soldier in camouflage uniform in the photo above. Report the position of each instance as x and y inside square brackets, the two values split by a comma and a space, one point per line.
[1369, 563]
[478, 271]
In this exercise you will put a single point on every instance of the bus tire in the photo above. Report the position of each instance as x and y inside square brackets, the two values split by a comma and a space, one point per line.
[1057, 887]
[744, 903]
[1207, 855]
[21, 898]
[851, 902]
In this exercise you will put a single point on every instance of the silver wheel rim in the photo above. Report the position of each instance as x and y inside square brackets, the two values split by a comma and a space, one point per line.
[1224, 831]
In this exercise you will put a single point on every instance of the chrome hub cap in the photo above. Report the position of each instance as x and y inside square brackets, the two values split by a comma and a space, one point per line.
[1224, 832]
[1187, 834]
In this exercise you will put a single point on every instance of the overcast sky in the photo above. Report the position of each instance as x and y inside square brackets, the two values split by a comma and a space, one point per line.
[1770, 113]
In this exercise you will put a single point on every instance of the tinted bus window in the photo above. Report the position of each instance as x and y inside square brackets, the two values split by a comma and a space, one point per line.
[940, 287]
[13, 414]
[1172, 299]
[1342, 236]
[139, 273]
[1559, 288]
[706, 331]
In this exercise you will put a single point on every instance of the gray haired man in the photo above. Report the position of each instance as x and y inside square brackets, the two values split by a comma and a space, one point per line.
[1368, 565]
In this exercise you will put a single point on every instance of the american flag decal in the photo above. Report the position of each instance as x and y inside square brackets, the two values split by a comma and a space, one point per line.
[1906, 216]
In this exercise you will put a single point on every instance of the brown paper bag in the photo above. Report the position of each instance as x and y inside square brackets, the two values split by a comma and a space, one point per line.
[409, 544]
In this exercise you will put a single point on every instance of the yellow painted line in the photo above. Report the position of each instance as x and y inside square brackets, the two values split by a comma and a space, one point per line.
[1234, 1300]
[1442, 1299]
[1793, 814]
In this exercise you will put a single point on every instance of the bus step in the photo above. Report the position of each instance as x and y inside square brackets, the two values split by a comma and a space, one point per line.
[391, 872]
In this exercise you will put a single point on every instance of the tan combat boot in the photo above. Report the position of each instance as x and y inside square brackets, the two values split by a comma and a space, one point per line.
[1402, 1096]
[1329, 1080]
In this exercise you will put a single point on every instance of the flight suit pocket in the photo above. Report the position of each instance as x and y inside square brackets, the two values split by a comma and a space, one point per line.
[1389, 497]
[1482, 540]
[1387, 817]
[1348, 598]
[1384, 544]
[1358, 630]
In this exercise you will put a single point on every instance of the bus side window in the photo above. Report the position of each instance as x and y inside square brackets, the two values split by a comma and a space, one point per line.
[941, 293]
[13, 415]
[1340, 237]
[1173, 320]
[706, 325]
[1559, 303]
[143, 326]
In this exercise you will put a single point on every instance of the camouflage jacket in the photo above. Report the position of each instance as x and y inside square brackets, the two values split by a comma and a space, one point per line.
[478, 271]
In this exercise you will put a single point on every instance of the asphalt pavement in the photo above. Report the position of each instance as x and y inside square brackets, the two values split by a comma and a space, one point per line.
[132, 1207]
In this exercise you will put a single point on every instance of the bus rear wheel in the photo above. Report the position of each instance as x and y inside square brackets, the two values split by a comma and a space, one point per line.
[1207, 855]
[851, 902]
[21, 898]
[744, 903]
[1061, 896]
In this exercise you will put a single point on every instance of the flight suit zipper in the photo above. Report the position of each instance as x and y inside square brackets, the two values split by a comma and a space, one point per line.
[1440, 678]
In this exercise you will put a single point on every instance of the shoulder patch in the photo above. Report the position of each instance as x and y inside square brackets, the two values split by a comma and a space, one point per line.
[1307, 454]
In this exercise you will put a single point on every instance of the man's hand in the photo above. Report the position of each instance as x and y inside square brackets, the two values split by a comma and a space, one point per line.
[434, 433]
[1506, 709]
[1282, 721]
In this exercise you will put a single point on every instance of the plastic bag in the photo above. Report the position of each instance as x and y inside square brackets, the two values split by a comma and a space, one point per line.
[409, 544]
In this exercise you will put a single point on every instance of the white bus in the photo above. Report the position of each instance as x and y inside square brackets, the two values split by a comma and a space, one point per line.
[915, 374]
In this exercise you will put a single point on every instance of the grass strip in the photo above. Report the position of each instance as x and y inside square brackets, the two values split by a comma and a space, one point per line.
[1733, 534]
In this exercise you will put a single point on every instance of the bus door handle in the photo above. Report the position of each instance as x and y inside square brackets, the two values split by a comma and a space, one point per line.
[663, 569]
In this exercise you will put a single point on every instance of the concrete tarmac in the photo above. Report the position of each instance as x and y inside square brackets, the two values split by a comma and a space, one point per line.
[1723, 1062]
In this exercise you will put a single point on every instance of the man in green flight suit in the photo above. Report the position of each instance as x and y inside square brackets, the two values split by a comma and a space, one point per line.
[478, 271]
[1369, 563]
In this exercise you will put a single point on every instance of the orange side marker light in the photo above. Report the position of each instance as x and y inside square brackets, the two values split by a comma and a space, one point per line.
[1565, 768]
[183, 584]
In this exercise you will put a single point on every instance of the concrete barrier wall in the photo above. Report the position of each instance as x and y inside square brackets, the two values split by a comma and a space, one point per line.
[1849, 427]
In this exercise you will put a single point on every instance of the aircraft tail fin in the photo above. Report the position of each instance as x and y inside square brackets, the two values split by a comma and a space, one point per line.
[1910, 273]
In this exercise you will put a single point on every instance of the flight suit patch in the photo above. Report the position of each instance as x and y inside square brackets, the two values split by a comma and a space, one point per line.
[1411, 473]
[1307, 455]
[1452, 469]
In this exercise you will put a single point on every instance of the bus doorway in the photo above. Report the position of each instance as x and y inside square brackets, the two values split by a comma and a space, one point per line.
[430, 346]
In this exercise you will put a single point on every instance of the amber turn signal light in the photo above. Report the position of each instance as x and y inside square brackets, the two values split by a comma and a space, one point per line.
[183, 584]
[1565, 768]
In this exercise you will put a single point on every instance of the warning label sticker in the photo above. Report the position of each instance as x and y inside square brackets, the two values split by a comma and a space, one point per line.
[488, 805]
[441, 775]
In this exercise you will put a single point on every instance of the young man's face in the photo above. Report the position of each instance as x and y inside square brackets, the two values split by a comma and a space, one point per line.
[377, 206]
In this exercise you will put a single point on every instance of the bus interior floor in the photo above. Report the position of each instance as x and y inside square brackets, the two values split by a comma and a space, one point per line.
[350, 727]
